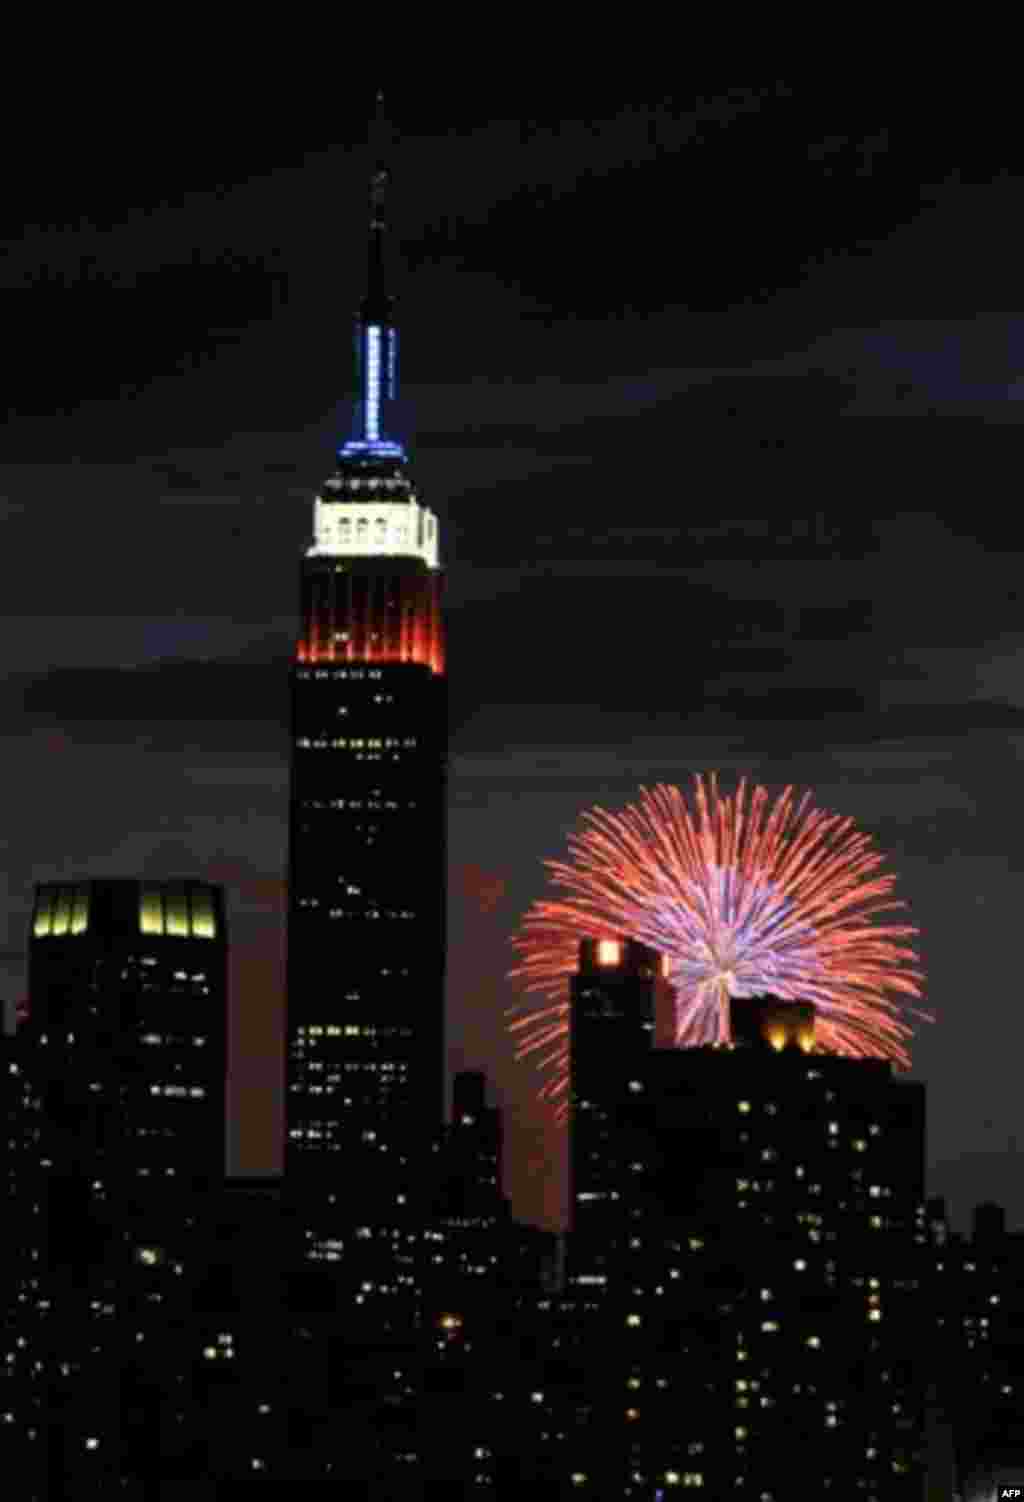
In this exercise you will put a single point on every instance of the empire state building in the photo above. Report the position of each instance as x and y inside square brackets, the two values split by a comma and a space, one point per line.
[365, 1064]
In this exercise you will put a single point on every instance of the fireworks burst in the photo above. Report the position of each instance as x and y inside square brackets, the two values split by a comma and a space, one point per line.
[743, 896]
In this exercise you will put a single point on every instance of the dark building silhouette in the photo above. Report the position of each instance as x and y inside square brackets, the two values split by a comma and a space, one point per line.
[746, 1267]
[618, 997]
[122, 1099]
[21, 1407]
[940, 1452]
[128, 1025]
[472, 1166]
[1002, 1468]
[974, 1286]
[365, 968]
[797, 1176]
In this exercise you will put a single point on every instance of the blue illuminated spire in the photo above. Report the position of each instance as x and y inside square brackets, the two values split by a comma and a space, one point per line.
[376, 335]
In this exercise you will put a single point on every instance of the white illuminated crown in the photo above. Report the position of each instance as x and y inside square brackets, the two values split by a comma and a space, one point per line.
[372, 527]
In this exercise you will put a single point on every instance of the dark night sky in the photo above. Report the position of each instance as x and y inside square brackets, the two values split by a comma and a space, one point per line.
[641, 337]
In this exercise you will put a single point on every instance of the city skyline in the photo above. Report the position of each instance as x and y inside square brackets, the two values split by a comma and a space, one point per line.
[862, 684]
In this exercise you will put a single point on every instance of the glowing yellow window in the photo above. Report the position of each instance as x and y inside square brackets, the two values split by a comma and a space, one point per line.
[80, 911]
[204, 924]
[151, 911]
[177, 912]
[44, 915]
[62, 912]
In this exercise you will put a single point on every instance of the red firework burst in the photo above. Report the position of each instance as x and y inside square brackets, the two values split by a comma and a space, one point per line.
[743, 895]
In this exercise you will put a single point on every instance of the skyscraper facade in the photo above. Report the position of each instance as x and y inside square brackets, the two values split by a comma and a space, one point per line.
[124, 1057]
[20, 1398]
[127, 1035]
[365, 960]
[619, 1002]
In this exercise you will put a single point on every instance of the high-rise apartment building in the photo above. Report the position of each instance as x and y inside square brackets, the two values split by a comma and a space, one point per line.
[794, 1178]
[743, 1255]
[365, 969]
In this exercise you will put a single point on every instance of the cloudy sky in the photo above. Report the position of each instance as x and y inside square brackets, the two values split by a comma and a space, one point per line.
[717, 396]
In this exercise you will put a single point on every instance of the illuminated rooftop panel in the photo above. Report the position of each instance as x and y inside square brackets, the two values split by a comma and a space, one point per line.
[176, 912]
[60, 911]
[168, 909]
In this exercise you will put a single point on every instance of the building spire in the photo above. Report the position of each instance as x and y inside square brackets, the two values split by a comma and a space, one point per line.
[376, 335]
[377, 304]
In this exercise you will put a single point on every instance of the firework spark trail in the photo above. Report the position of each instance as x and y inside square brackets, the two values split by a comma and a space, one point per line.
[742, 895]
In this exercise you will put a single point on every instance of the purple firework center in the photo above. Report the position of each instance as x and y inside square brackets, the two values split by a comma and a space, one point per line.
[738, 935]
